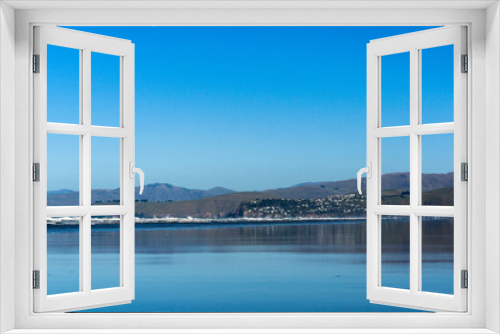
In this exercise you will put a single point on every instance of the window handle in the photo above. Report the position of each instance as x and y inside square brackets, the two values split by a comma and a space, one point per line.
[134, 170]
[368, 171]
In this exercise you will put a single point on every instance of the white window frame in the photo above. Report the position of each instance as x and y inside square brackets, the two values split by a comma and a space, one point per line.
[86, 44]
[482, 19]
[414, 43]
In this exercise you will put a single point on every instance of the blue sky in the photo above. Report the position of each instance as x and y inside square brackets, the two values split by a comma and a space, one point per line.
[247, 108]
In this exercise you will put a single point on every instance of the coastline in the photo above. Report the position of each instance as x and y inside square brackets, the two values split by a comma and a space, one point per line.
[240, 220]
[191, 220]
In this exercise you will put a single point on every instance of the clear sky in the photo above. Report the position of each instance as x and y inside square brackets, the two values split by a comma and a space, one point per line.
[247, 108]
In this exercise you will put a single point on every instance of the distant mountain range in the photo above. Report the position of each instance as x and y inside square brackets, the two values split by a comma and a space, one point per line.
[156, 192]
[399, 181]
[164, 192]
[60, 191]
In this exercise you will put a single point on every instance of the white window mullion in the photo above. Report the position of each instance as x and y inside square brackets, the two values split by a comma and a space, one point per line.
[421, 129]
[80, 130]
[418, 126]
[415, 171]
[86, 173]
[85, 162]
[122, 250]
[415, 253]
[123, 183]
[40, 156]
[379, 250]
[406, 210]
[433, 129]
[85, 254]
[373, 185]
[127, 120]
[460, 156]
[67, 129]
[395, 131]
[96, 210]
[81, 277]
[103, 131]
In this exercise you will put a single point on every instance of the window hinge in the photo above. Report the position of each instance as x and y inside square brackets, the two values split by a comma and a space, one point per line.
[36, 63]
[465, 64]
[36, 172]
[36, 279]
[465, 279]
[464, 170]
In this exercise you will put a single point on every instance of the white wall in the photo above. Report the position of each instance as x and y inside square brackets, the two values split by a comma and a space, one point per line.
[131, 17]
[492, 164]
[7, 160]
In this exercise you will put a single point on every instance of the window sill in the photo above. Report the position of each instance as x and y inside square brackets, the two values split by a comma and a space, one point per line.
[248, 331]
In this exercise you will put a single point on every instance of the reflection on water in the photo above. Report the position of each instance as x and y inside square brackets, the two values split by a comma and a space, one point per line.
[395, 253]
[290, 267]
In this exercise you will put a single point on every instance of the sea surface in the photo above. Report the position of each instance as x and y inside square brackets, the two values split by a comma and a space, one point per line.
[247, 267]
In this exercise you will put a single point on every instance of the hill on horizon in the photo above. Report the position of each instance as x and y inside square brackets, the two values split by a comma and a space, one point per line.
[165, 192]
[224, 206]
[209, 207]
[162, 192]
[399, 181]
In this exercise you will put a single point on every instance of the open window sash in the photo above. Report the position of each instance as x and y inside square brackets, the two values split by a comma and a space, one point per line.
[86, 297]
[414, 43]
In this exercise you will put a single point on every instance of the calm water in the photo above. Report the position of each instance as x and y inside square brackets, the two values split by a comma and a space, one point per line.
[292, 267]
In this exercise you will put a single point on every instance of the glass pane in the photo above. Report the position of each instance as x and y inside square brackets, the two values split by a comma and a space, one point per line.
[106, 171]
[105, 90]
[395, 252]
[395, 169]
[395, 90]
[63, 85]
[437, 84]
[105, 252]
[437, 169]
[63, 255]
[63, 169]
[437, 254]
